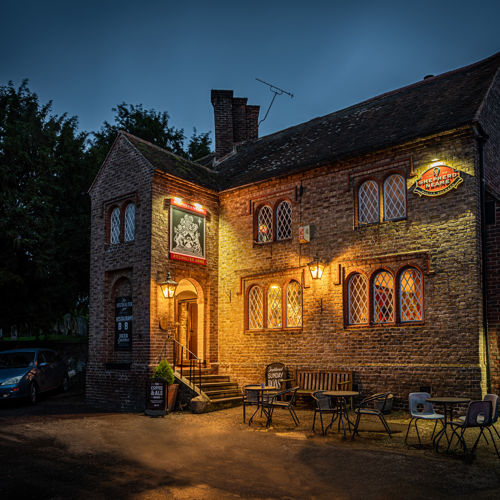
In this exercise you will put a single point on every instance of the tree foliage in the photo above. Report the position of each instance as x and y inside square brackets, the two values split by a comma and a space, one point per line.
[44, 213]
[47, 167]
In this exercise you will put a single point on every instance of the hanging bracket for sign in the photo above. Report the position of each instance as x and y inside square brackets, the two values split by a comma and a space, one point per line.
[437, 180]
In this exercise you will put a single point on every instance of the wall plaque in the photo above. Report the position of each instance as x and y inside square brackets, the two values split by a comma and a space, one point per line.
[437, 180]
[187, 233]
[123, 322]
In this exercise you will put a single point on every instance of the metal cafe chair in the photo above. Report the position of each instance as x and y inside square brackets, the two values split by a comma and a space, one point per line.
[420, 409]
[285, 400]
[479, 415]
[494, 405]
[323, 406]
[372, 405]
[250, 398]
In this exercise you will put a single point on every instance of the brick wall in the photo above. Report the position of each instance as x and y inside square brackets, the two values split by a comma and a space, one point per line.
[116, 379]
[440, 236]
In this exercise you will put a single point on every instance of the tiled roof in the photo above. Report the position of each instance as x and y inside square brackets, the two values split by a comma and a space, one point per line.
[427, 107]
[430, 106]
[175, 165]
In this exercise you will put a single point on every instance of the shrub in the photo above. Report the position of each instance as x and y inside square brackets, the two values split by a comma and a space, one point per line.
[164, 371]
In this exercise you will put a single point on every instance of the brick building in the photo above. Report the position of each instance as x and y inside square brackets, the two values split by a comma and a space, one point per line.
[400, 198]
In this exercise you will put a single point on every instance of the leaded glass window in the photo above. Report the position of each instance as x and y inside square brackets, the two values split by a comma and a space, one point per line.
[411, 295]
[130, 222]
[274, 307]
[293, 305]
[255, 308]
[368, 202]
[383, 298]
[265, 225]
[284, 220]
[357, 292]
[114, 234]
[394, 197]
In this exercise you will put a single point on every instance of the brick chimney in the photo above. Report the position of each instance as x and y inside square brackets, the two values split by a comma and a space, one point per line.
[235, 121]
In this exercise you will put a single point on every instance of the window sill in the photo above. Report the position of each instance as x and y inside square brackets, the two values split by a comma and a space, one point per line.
[267, 331]
[361, 225]
[264, 243]
[378, 326]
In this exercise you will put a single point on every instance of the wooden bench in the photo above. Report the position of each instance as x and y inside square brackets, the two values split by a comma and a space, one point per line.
[310, 381]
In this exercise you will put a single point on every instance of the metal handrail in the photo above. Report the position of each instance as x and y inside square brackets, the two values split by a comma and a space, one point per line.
[191, 360]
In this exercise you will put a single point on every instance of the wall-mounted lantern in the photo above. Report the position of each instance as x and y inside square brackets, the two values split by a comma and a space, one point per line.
[168, 287]
[316, 268]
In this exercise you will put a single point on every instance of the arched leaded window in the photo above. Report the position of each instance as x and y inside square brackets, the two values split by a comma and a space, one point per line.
[130, 222]
[357, 293]
[255, 308]
[394, 197]
[411, 297]
[293, 305]
[265, 224]
[284, 220]
[383, 297]
[274, 304]
[368, 202]
[114, 231]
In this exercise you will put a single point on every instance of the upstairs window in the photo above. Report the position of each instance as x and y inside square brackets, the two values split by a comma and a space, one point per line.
[265, 225]
[284, 221]
[130, 222]
[394, 197]
[114, 234]
[368, 202]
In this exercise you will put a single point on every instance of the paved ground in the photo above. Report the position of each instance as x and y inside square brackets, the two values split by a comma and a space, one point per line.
[62, 449]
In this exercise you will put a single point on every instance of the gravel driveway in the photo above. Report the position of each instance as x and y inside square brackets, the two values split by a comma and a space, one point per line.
[63, 449]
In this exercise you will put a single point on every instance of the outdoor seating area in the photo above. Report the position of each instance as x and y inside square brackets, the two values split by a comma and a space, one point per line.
[344, 412]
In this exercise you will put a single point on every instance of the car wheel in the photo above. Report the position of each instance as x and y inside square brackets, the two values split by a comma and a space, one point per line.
[65, 383]
[33, 393]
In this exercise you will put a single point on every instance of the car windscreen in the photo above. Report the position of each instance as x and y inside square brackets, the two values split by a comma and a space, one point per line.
[17, 359]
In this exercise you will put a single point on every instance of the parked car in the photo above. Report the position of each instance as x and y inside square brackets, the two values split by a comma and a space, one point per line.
[25, 373]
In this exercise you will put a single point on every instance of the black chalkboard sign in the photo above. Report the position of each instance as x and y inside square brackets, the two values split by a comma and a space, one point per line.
[123, 322]
[157, 397]
[275, 373]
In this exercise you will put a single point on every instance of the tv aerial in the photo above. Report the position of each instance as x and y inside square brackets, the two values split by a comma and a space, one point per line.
[276, 91]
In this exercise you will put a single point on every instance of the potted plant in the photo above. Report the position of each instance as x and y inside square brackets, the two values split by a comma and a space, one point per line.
[163, 372]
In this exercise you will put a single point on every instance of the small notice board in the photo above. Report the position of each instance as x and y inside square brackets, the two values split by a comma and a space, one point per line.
[123, 322]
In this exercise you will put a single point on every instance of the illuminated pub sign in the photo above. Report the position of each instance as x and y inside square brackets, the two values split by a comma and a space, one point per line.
[123, 322]
[437, 180]
[187, 232]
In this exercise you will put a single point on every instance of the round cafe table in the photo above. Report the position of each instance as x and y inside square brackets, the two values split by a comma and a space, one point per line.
[447, 402]
[261, 389]
[340, 413]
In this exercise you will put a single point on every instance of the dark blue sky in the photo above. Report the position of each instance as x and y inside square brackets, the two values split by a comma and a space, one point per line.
[89, 56]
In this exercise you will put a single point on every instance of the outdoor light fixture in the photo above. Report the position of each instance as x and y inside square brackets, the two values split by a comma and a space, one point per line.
[316, 267]
[168, 286]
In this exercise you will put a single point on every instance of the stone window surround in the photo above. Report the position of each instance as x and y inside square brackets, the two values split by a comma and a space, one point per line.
[121, 203]
[274, 207]
[396, 275]
[380, 179]
[266, 328]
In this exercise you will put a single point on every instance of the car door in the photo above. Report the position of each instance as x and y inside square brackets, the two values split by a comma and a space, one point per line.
[43, 372]
[51, 370]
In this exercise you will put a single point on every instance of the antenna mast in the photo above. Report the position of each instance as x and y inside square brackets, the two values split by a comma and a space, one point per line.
[276, 91]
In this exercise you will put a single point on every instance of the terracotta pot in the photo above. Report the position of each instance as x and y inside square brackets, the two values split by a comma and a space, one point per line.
[173, 389]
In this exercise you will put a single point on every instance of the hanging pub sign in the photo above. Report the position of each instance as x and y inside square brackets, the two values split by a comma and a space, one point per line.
[437, 180]
[123, 322]
[187, 232]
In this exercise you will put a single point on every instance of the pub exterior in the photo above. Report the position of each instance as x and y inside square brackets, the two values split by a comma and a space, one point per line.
[395, 202]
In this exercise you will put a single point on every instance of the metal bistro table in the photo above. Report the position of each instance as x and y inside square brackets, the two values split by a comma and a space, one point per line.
[341, 413]
[448, 402]
[260, 406]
